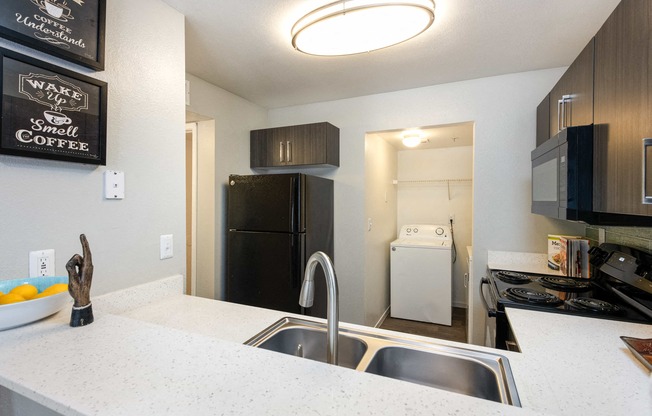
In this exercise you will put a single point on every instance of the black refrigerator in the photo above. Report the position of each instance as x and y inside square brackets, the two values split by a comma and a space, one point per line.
[275, 222]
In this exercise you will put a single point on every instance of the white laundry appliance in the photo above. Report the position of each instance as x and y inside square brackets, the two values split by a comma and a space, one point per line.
[421, 274]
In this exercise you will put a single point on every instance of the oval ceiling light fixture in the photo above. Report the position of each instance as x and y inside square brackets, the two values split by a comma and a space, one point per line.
[412, 139]
[349, 27]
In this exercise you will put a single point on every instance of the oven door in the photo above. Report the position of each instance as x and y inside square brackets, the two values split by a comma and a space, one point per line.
[490, 307]
[498, 332]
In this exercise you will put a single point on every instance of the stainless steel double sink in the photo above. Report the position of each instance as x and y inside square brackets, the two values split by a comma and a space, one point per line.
[471, 372]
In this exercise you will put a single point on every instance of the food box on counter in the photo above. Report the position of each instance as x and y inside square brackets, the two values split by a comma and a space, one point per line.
[554, 250]
[569, 255]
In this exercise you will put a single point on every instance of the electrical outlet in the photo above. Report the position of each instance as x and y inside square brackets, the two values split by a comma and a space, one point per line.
[41, 263]
[167, 246]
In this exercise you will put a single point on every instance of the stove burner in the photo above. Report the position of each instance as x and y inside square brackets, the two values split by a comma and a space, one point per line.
[513, 277]
[563, 283]
[593, 305]
[532, 297]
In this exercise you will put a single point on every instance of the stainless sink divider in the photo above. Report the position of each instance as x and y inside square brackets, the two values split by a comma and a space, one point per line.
[496, 363]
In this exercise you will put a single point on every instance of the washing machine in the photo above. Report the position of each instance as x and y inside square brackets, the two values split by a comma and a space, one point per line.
[421, 274]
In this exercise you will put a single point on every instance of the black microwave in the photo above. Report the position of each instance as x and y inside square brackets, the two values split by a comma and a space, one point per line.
[562, 175]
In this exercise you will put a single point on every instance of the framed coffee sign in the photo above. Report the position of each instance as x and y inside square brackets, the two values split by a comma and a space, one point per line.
[69, 29]
[51, 113]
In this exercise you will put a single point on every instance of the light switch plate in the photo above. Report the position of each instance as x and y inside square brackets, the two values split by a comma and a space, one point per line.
[167, 246]
[114, 184]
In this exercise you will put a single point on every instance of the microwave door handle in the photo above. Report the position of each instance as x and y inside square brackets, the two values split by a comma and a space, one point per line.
[490, 311]
[647, 159]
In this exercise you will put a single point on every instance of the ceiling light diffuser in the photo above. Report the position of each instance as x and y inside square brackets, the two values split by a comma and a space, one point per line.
[348, 27]
[412, 140]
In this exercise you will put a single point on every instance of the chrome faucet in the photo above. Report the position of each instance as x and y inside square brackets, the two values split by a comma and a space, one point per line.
[332, 312]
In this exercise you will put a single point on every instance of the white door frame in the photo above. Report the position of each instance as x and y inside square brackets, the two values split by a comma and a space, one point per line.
[192, 129]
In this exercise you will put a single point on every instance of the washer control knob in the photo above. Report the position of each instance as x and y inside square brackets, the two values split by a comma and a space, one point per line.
[439, 231]
[416, 230]
[409, 230]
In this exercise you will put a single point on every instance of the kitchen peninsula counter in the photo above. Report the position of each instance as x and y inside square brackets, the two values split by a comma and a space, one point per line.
[172, 354]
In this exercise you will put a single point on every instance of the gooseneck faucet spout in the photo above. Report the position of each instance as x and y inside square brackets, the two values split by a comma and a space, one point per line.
[332, 312]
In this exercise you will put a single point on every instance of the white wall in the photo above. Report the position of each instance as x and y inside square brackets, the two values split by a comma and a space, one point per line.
[380, 206]
[504, 111]
[429, 203]
[233, 118]
[47, 204]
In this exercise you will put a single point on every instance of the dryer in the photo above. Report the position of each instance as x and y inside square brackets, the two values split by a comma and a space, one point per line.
[421, 274]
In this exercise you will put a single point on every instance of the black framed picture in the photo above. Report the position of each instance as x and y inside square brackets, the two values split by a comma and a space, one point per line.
[69, 29]
[51, 113]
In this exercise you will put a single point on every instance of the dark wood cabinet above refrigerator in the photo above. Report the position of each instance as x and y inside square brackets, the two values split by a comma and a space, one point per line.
[315, 145]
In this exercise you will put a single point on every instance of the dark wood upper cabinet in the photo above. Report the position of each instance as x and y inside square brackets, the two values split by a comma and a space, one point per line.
[543, 120]
[622, 110]
[316, 144]
[571, 99]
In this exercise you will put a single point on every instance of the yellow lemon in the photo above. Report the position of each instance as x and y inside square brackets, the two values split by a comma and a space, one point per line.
[1, 293]
[57, 288]
[43, 294]
[10, 298]
[26, 291]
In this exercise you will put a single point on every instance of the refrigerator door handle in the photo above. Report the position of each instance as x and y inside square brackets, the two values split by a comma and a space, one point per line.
[293, 202]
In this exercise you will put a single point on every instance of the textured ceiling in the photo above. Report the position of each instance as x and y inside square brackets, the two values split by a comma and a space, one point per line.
[243, 46]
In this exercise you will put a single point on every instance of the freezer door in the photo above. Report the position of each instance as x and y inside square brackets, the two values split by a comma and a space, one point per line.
[265, 269]
[273, 203]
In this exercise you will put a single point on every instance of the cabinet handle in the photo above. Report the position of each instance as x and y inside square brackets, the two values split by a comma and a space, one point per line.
[647, 159]
[281, 148]
[560, 105]
[561, 111]
[288, 151]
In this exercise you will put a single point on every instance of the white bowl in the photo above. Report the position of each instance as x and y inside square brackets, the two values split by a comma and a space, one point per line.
[21, 313]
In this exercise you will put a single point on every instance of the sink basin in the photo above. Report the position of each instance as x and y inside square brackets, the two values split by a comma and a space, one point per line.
[461, 373]
[475, 373]
[311, 343]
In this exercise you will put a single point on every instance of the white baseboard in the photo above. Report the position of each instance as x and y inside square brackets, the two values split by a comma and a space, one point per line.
[382, 318]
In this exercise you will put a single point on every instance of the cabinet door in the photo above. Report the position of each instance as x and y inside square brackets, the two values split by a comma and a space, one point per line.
[622, 108]
[543, 120]
[571, 100]
[267, 148]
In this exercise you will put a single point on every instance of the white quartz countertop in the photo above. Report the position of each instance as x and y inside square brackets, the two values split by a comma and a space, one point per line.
[584, 368]
[179, 355]
[520, 262]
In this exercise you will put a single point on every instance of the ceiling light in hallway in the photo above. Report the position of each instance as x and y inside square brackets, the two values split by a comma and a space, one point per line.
[356, 26]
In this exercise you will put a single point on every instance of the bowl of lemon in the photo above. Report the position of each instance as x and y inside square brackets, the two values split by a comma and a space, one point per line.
[23, 301]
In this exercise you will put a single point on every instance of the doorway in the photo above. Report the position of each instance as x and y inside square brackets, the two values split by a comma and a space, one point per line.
[430, 183]
[200, 206]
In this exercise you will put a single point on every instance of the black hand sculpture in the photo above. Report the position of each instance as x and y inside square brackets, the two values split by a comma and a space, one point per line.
[80, 276]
